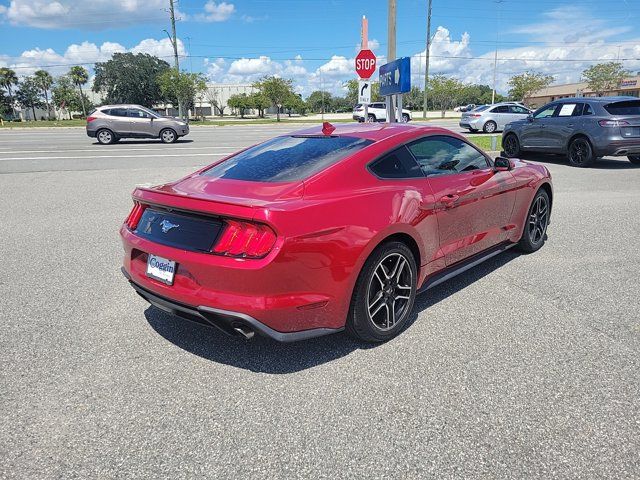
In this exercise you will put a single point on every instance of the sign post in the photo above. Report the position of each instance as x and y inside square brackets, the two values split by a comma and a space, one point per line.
[395, 79]
[365, 67]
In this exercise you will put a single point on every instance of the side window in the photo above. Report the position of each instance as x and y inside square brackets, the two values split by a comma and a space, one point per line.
[118, 112]
[397, 164]
[578, 110]
[441, 154]
[136, 113]
[587, 109]
[518, 109]
[546, 111]
[501, 109]
[567, 110]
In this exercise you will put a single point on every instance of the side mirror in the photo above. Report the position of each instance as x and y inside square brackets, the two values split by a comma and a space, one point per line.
[530, 117]
[502, 164]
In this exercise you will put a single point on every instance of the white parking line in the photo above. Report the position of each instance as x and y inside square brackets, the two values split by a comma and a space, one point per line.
[220, 154]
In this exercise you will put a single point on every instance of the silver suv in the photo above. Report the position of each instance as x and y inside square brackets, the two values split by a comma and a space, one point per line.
[110, 123]
[492, 118]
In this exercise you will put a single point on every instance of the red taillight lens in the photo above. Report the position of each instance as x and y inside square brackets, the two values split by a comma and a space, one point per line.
[245, 239]
[91, 119]
[613, 123]
[135, 215]
[475, 115]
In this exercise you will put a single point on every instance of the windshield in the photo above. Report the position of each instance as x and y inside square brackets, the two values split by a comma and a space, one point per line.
[287, 159]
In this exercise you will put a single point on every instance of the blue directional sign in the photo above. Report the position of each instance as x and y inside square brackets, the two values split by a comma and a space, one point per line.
[395, 77]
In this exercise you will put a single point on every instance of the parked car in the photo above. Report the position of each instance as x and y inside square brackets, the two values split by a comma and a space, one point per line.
[110, 123]
[492, 118]
[465, 108]
[377, 113]
[329, 229]
[582, 128]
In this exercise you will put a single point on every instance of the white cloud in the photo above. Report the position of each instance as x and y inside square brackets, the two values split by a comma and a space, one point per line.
[93, 14]
[216, 12]
[372, 44]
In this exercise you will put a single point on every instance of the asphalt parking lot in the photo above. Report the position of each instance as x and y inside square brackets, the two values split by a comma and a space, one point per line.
[524, 367]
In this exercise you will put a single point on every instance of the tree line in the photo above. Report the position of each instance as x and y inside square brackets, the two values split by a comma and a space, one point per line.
[149, 81]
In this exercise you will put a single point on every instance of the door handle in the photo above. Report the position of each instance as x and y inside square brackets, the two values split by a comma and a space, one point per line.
[569, 124]
[448, 200]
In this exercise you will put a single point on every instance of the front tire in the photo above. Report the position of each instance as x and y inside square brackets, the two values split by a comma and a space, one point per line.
[405, 118]
[168, 135]
[490, 127]
[384, 294]
[580, 153]
[105, 136]
[537, 221]
[511, 146]
[635, 159]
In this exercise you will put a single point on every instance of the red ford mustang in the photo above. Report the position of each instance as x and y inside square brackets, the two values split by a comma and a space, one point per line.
[329, 229]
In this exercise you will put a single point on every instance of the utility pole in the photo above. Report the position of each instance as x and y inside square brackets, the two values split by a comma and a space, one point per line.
[174, 42]
[495, 56]
[426, 62]
[391, 54]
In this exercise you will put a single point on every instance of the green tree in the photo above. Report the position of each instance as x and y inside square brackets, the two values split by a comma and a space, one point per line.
[79, 76]
[9, 79]
[44, 80]
[28, 94]
[604, 77]
[526, 84]
[5, 105]
[130, 78]
[239, 102]
[319, 101]
[181, 88]
[413, 99]
[295, 103]
[213, 96]
[276, 89]
[65, 96]
[445, 92]
[258, 101]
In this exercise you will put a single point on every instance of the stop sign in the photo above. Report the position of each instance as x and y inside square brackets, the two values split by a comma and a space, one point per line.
[365, 63]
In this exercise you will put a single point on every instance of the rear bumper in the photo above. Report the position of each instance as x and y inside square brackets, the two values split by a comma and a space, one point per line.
[621, 148]
[231, 323]
[91, 133]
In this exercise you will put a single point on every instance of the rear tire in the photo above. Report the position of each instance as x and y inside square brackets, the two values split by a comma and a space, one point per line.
[490, 127]
[580, 153]
[384, 294]
[168, 135]
[511, 146]
[105, 136]
[635, 159]
[371, 118]
[536, 223]
[405, 118]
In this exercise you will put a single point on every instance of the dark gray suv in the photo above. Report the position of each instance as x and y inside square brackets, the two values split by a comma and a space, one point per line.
[582, 128]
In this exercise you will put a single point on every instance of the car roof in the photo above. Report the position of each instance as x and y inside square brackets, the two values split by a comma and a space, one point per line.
[121, 105]
[619, 98]
[374, 131]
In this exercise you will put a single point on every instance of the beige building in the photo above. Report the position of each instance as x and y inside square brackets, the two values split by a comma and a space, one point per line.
[629, 86]
[211, 100]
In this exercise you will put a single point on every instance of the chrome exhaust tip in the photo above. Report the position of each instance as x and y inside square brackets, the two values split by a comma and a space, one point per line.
[244, 331]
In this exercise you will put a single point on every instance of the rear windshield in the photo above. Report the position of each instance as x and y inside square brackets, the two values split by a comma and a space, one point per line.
[481, 108]
[628, 107]
[287, 159]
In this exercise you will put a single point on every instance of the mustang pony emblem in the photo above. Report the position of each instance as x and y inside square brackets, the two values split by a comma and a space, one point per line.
[167, 225]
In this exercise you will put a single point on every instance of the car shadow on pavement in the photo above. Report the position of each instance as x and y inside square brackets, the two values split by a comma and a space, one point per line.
[620, 163]
[264, 355]
[150, 141]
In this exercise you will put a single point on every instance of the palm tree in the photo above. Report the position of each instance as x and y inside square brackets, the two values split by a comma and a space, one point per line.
[44, 80]
[80, 76]
[8, 78]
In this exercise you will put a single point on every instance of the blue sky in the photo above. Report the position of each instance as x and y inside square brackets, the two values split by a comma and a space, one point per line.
[314, 41]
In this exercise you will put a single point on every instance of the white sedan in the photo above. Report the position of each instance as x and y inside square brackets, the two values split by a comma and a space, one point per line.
[377, 113]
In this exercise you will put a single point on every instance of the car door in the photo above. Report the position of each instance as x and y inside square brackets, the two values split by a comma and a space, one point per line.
[563, 125]
[473, 202]
[119, 121]
[533, 133]
[141, 123]
[501, 116]
[516, 112]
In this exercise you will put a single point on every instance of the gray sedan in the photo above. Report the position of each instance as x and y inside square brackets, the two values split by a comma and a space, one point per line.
[581, 128]
[493, 118]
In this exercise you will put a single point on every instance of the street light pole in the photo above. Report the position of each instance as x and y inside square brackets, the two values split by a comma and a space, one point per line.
[174, 42]
[426, 62]
[391, 54]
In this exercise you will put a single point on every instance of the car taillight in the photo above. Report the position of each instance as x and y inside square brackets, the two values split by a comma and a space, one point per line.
[91, 119]
[245, 239]
[475, 115]
[613, 123]
[135, 215]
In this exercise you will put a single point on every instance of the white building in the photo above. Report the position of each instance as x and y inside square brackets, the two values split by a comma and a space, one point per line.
[211, 101]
